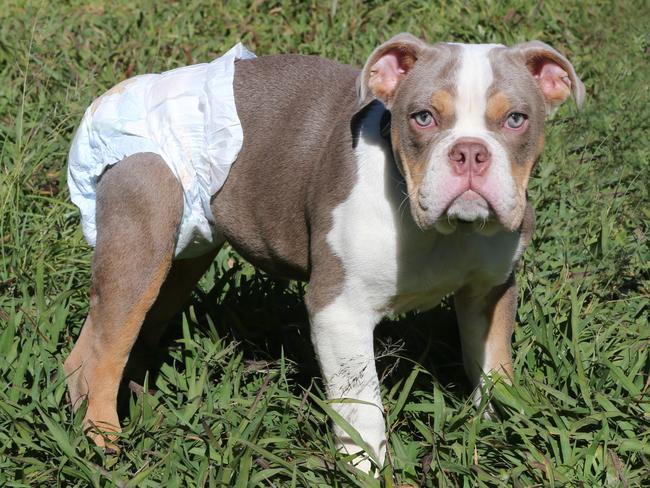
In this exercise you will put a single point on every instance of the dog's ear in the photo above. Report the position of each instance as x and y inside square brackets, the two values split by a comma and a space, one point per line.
[553, 73]
[386, 67]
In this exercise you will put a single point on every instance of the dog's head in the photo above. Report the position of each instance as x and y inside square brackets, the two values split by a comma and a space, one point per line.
[467, 124]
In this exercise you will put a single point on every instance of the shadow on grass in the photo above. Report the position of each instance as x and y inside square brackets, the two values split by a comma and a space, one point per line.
[268, 318]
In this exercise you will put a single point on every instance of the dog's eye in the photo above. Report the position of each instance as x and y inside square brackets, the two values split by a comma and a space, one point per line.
[423, 119]
[516, 120]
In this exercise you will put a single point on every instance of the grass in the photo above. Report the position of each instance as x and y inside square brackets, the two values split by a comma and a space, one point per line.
[237, 401]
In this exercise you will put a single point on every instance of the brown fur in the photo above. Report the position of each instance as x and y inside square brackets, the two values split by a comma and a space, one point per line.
[443, 102]
[501, 310]
[492, 324]
[318, 174]
[136, 231]
[174, 293]
[498, 107]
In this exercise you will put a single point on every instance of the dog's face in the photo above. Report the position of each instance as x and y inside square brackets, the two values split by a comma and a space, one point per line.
[467, 124]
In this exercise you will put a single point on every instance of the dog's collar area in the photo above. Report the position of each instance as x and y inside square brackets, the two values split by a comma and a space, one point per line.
[384, 132]
[384, 127]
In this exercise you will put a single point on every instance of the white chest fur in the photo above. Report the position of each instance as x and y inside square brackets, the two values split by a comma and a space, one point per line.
[390, 264]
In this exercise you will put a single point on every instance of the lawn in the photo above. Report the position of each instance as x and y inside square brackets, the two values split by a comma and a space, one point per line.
[237, 401]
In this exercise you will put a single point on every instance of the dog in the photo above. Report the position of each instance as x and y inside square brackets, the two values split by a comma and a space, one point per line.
[385, 188]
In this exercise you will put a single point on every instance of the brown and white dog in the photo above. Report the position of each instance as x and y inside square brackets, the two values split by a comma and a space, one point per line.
[332, 160]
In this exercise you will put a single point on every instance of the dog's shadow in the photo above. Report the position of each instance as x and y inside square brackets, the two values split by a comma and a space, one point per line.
[268, 319]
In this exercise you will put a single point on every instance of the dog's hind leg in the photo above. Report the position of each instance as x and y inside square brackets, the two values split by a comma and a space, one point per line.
[174, 293]
[139, 208]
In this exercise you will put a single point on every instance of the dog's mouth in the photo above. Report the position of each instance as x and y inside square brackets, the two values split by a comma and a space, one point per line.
[469, 212]
[469, 207]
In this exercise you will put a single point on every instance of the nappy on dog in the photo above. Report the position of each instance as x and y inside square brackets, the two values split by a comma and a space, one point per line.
[187, 116]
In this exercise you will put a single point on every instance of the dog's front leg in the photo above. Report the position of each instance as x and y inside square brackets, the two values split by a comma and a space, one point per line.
[342, 335]
[486, 321]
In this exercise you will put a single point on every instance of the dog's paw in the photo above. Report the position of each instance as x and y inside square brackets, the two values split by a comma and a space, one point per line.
[104, 435]
[362, 460]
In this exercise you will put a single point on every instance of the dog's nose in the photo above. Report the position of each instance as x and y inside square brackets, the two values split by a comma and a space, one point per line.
[469, 154]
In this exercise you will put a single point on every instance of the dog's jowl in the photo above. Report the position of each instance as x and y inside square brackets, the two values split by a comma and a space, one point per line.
[385, 188]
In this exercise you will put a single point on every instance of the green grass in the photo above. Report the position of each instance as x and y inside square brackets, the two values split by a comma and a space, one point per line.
[237, 401]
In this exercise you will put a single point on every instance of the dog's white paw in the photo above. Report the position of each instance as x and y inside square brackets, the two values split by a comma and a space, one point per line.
[362, 460]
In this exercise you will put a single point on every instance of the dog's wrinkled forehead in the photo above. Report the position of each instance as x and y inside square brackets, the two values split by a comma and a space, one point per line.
[474, 77]
[469, 83]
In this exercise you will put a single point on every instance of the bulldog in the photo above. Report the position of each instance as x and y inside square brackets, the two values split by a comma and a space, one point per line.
[385, 188]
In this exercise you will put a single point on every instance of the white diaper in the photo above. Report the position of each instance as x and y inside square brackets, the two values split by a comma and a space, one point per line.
[187, 116]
